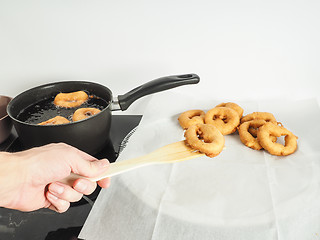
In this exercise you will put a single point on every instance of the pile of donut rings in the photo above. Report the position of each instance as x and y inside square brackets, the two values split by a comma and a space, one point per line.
[204, 131]
[71, 100]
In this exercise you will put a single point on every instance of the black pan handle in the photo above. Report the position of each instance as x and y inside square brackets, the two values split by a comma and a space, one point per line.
[154, 86]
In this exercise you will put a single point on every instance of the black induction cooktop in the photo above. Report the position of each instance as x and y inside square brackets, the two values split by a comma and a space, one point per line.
[45, 224]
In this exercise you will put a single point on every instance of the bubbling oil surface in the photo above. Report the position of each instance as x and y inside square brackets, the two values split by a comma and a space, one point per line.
[46, 109]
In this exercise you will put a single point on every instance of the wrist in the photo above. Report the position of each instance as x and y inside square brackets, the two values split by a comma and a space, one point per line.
[11, 179]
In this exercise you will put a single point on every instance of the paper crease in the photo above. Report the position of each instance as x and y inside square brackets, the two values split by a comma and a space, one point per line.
[270, 185]
[161, 200]
[271, 194]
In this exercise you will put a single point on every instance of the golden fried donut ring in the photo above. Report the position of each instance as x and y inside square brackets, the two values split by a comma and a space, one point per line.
[55, 121]
[205, 138]
[83, 113]
[245, 135]
[225, 119]
[232, 105]
[274, 148]
[253, 131]
[268, 117]
[191, 117]
[70, 100]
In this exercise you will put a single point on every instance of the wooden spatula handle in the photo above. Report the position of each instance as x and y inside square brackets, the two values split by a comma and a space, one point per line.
[114, 169]
[170, 153]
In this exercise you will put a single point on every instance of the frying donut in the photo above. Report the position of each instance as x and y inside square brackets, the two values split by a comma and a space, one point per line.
[268, 117]
[205, 138]
[232, 105]
[55, 121]
[246, 137]
[191, 117]
[274, 148]
[83, 113]
[70, 100]
[225, 119]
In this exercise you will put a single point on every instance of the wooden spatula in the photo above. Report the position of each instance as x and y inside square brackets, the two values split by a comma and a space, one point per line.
[174, 152]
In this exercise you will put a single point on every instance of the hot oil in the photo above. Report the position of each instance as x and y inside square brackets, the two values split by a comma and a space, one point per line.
[46, 109]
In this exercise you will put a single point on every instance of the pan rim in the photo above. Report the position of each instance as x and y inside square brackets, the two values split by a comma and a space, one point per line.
[9, 106]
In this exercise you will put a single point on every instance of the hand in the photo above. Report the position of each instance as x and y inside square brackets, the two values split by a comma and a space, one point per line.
[29, 180]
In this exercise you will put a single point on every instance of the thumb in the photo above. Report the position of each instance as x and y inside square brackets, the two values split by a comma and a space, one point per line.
[89, 168]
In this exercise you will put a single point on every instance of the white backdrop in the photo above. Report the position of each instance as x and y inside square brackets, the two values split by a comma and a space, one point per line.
[240, 49]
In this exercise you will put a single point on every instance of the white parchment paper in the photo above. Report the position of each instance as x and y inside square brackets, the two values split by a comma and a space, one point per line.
[241, 194]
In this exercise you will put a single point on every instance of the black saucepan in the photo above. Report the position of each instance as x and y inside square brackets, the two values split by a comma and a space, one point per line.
[91, 134]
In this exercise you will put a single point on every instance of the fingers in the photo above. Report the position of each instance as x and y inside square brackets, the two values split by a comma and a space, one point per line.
[60, 195]
[64, 192]
[84, 186]
[57, 204]
[104, 183]
[82, 163]
[88, 168]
